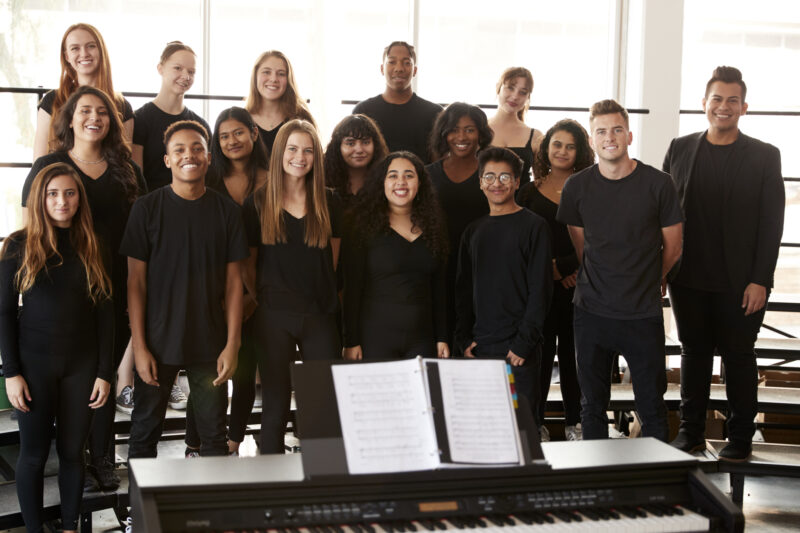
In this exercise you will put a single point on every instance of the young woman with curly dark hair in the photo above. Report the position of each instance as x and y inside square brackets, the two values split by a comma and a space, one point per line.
[565, 150]
[460, 131]
[356, 146]
[394, 264]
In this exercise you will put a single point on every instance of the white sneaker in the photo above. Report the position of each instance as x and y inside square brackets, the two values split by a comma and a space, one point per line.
[177, 399]
[125, 400]
[614, 433]
[544, 434]
[574, 432]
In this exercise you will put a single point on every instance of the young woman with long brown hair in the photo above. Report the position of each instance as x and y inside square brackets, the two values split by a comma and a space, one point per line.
[292, 226]
[57, 347]
[84, 61]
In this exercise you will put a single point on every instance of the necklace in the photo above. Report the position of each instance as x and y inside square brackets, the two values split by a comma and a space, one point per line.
[87, 162]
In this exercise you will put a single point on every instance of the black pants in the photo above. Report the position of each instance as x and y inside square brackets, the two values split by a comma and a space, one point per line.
[277, 335]
[209, 406]
[397, 330]
[709, 321]
[641, 341]
[526, 376]
[60, 388]
[558, 326]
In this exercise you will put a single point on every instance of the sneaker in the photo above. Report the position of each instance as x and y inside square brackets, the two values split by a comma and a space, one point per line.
[687, 443]
[573, 432]
[544, 434]
[191, 453]
[103, 471]
[736, 451]
[614, 433]
[177, 399]
[89, 482]
[125, 400]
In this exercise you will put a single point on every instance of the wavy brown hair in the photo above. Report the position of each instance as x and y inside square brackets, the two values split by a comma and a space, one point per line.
[41, 243]
[370, 216]
[68, 81]
[584, 155]
[516, 72]
[358, 127]
[269, 198]
[113, 146]
[291, 104]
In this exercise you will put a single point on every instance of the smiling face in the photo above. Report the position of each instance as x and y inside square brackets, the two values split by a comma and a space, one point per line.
[562, 151]
[187, 156]
[272, 77]
[462, 141]
[497, 192]
[177, 72]
[91, 121]
[401, 184]
[398, 68]
[514, 95]
[235, 140]
[82, 52]
[357, 153]
[610, 137]
[723, 106]
[62, 200]
[298, 157]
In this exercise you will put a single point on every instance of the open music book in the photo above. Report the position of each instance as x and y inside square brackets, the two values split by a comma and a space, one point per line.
[422, 414]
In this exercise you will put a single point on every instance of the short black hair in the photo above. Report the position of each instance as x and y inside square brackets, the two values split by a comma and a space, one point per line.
[408, 47]
[727, 75]
[447, 120]
[184, 125]
[500, 155]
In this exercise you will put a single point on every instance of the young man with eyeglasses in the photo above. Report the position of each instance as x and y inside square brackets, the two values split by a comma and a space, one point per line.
[625, 222]
[504, 279]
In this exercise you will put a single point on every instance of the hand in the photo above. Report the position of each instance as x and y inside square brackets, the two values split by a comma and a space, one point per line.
[146, 366]
[442, 350]
[468, 351]
[569, 281]
[556, 274]
[99, 393]
[514, 359]
[754, 299]
[353, 353]
[17, 392]
[226, 365]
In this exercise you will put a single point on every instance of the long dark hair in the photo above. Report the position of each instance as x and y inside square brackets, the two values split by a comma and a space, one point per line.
[113, 146]
[370, 216]
[447, 122]
[584, 155]
[221, 166]
[358, 127]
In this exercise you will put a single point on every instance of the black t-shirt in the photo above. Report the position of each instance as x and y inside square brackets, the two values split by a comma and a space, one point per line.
[504, 284]
[404, 126]
[187, 245]
[620, 276]
[702, 263]
[291, 276]
[46, 104]
[563, 252]
[57, 317]
[148, 132]
[391, 269]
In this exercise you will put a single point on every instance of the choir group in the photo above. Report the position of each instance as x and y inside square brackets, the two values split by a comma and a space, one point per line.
[153, 244]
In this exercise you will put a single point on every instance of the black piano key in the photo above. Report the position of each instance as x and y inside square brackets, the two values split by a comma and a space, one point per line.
[525, 518]
[367, 527]
[576, 517]
[355, 527]
[653, 509]
[604, 514]
[640, 512]
[508, 520]
[496, 520]
[678, 510]
[627, 511]
[590, 514]
[427, 524]
[400, 526]
[613, 514]
[388, 528]
[409, 526]
[548, 518]
[564, 516]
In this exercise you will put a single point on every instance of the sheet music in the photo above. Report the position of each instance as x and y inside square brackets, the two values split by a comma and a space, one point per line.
[478, 412]
[385, 417]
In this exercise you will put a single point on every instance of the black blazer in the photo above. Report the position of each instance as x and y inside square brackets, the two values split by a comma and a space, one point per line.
[753, 203]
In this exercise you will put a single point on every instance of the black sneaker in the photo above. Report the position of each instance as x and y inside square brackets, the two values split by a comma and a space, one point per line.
[89, 482]
[103, 471]
[736, 451]
[687, 443]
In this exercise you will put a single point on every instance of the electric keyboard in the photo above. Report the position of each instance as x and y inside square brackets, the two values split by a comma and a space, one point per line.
[625, 492]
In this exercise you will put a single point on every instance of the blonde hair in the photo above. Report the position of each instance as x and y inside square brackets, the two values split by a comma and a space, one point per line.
[291, 104]
[517, 72]
[269, 198]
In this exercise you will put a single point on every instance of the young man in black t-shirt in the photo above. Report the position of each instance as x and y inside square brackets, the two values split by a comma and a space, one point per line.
[732, 192]
[504, 280]
[405, 119]
[184, 243]
[626, 224]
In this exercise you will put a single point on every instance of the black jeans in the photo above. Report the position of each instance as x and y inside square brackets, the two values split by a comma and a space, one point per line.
[277, 336]
[209, 404]
[641, 341]
[709, 321]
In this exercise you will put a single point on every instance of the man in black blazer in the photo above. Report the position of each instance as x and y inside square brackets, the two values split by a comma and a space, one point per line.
[731, 189]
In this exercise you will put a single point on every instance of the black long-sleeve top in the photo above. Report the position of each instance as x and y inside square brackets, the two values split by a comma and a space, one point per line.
[57, 316]
[504, 284]
[391, 269]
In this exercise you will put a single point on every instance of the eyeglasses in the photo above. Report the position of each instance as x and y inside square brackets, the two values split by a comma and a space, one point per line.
[505, 178]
